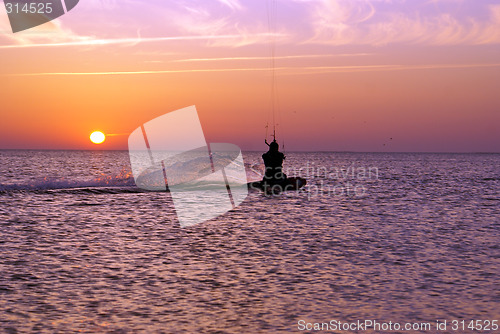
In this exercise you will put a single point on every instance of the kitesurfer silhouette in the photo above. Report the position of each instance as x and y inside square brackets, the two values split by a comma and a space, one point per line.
[273, 160]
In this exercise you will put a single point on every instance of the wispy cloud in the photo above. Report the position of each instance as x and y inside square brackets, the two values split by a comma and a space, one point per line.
[373, 68]
[285, 70]
[128, 41]
[51, 32]
[202, 17]
[238, 23]
[276, 57]
[382, 22]
[233, 4]
[187, 20]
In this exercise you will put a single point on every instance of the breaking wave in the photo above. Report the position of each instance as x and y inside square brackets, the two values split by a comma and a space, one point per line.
[121, 183]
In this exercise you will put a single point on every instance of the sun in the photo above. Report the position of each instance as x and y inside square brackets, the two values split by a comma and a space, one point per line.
[97, 137]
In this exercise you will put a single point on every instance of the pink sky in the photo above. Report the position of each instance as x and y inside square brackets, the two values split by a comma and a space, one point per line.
[351, 74]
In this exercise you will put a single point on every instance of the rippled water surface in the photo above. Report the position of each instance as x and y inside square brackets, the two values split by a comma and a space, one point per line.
[390, 237]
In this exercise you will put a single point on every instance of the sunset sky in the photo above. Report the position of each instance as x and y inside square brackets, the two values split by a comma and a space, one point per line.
[351, 74]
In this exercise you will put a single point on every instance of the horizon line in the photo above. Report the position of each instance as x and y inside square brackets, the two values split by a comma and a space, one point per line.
[257, 151]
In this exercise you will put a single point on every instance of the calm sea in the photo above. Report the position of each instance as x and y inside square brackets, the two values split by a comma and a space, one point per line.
[400, 238]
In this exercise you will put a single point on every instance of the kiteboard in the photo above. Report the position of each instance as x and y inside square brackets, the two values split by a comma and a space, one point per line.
[289, 184]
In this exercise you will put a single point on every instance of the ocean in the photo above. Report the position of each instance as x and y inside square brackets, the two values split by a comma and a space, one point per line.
[399, 240]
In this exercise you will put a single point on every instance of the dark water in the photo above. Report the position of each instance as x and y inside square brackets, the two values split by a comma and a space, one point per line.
[408, 238]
